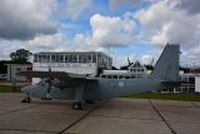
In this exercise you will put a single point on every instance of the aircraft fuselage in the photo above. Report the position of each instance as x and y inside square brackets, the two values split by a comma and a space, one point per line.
[98, 89]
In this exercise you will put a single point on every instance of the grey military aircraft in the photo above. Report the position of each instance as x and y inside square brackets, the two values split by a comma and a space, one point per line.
[83, 88]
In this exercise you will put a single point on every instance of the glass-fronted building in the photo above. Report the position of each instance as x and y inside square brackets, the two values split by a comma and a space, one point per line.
[73, 62]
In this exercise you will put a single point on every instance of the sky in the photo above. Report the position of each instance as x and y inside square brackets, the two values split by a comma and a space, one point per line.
[138, 29]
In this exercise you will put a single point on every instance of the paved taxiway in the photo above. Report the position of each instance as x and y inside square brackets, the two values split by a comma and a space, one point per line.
[119, 116]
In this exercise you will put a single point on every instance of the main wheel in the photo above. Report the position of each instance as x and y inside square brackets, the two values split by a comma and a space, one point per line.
[77, 106]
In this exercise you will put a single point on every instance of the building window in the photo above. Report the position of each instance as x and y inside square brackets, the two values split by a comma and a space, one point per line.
[48, 58]
[40, 58]
[74, 58]
[191, 80]
[18, 69]
[57, 58]
[35, 58]
[80, 58]
[83, 58]
[94, 58]
[53, 58]
[29, 68]
[70, 58]
[44, 58]
[66, 58]
[61, 58]
[89, 58]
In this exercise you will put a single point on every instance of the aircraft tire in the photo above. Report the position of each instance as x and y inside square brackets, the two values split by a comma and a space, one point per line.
[89, 102]
[26, 100]
[77, 106]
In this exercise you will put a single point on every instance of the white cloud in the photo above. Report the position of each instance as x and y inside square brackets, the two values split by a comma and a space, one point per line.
[163, 22]
[24, 19]
[109, 31]
[147, 59]
[76, 7]
[106, 32]
[46, 42]
[7, 47]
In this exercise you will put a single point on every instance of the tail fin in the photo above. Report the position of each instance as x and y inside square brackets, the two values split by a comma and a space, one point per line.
[167, 66]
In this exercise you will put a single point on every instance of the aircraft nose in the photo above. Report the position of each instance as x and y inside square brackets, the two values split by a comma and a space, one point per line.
[24, 89]
[27, 89]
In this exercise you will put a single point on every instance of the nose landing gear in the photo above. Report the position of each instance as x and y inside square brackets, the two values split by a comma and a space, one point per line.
[77, 106]
[27, 99]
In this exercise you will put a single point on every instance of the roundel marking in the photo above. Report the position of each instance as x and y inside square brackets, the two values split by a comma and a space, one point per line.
[121, 84]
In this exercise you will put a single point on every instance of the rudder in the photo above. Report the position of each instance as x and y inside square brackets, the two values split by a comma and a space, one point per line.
[167, 66]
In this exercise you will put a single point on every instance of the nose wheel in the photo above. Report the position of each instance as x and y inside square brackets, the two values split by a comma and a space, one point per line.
[77, 106]
[27, 99]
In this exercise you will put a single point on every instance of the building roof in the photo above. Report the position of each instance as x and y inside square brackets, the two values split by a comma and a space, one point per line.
[196, 71]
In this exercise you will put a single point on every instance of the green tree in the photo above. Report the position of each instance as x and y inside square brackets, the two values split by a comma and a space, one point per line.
[21, 56]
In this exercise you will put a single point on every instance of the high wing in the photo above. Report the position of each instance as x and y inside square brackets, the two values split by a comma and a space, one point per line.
[65, 79]
[54, 74]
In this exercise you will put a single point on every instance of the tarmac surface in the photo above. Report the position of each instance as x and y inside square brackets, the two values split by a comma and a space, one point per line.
[117, 116]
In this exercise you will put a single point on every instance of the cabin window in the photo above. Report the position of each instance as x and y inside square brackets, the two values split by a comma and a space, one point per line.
[115, 77]
[127, 77]
[103, 76]
[132, 76]
[121, 77]
[109, 77]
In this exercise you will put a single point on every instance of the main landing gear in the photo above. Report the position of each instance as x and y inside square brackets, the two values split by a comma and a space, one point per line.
[89, 102]
[77, 106]
[27, 99]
